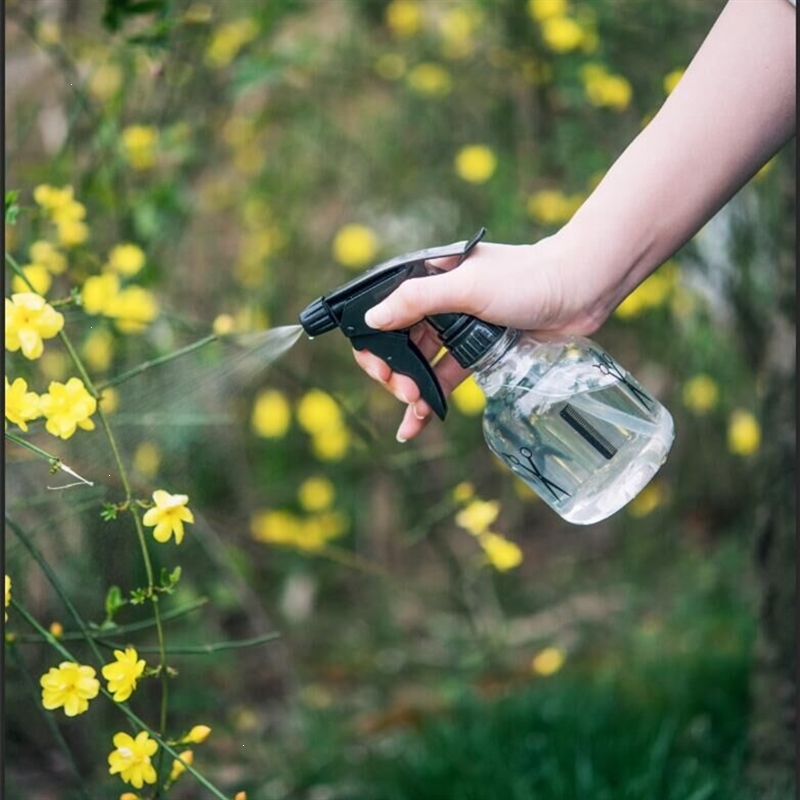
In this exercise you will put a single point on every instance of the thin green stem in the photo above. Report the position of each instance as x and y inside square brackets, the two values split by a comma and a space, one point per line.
[138, 722]
[202, 649]
[55, 462]
[155, 362]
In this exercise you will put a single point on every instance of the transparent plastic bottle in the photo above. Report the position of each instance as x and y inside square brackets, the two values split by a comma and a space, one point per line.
[571, 423]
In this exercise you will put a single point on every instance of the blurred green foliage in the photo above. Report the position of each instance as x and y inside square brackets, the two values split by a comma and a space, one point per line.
[257, 154]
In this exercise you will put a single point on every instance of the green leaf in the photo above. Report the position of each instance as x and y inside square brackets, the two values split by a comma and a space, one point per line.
[109, 512]
[12, 207]
[114, 602]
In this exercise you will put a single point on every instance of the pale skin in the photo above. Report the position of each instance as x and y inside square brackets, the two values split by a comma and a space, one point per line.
[733, 109]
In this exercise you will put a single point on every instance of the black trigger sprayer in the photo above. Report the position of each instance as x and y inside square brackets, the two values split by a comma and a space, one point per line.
[561, 413]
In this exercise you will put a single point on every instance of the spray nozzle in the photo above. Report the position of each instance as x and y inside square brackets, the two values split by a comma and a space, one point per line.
[466, 336]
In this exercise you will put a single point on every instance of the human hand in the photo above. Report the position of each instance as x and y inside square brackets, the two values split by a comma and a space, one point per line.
[529, 287]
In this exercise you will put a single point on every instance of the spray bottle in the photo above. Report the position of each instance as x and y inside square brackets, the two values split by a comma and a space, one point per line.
[560, 412]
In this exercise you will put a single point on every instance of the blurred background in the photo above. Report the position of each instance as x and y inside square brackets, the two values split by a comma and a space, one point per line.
[442, 633]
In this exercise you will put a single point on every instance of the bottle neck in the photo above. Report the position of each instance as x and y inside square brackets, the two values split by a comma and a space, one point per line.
[486, 363]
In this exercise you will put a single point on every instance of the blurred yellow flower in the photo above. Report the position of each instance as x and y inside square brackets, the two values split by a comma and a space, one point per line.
[562, 34]
[139, 146]
[71, 232]
[469, 398]
[168, 515]
[605, 90]
[390, 66]
[316, 494]
[66, 407]
[69, 685]
[744, 433]
[198, 13]
[146, 459]
[648, 500]
[502, 554]
[458, 26]
[240, 796]
[700, 394]
[651, 293]
[50, 198]
[134, 309]
[477, 516]
[463, 491]
[271, 414]
[404, 17]
[223, 324]
[548, 661]
[56, 629]
[430, 79]
[109, 400]
[37, 279]
[99, 294]
[475, 163]
[276, 527]
[355, 246]
[197, 735]
[331, 444]
[45, 254]
[8, 594]
[671, 80]
[545, 9]
[29, 320]
[21, 405]
[98, 349]
[229, 39]
[132, 759]
[178, 767]
[123, 673]
[126, 259]
[553, 207]
[317, 411]
[105, 82]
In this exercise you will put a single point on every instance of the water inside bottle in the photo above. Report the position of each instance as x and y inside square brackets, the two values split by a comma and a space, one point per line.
[586, 453]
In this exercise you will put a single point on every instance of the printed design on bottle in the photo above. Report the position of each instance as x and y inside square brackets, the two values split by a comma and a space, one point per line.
[608, 366]
[531, 468]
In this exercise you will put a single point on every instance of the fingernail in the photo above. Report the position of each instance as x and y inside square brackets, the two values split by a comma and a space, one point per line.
[400, 439]
[421, 410]
[378, 317]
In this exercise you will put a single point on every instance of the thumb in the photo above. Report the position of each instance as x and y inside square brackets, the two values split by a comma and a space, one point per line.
[419, 297]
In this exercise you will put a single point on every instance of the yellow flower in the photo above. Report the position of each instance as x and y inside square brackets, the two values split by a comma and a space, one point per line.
[134, 309]
[671, 80]
[139, 145]
[56, 629]
[229, 39]
[700, 394]
[502, 554]
[552, 207]
[123, 673]
[317, 411]
[463, 491]
[603, 89]
[50, 198]
[744, 433]
[69, 685]
[475, 163]
[240, 796]
[276, 527]
[109, 400]
[21, 405]
[168, 516]
[8, 594]
[548, 661]
[648, 500]
[67, 406]
[29, 320]
[458, 26]
[37, 279]
[430, 79]
[105, 82]
[478, 516]
[316, 494]
[271, 414]
[126, 259]
[129, 796]
[99, 294]
[146, 459]
[46, 255]
[72, 232]
[469, 398]
[98, 349]
[562, 34]
[178, 768]
[390, 66]
[332, 443]
[653, 292]
[355, 246]
[131, 759]
[197, 735]
[540, 10]
[404, 17]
